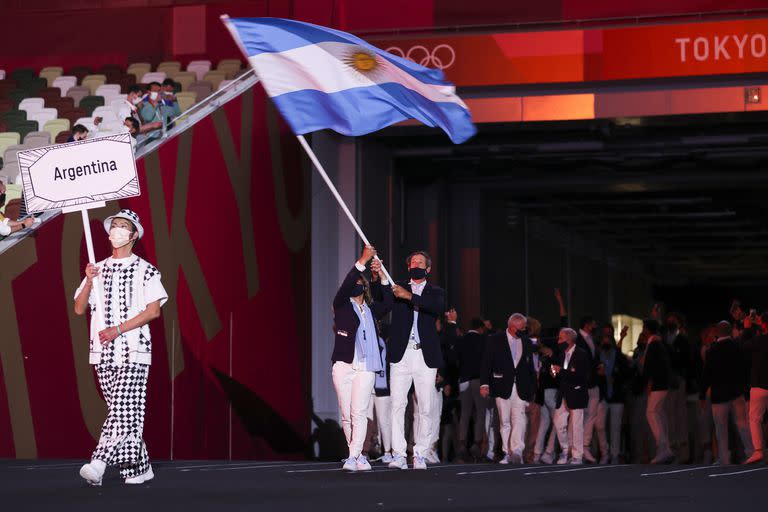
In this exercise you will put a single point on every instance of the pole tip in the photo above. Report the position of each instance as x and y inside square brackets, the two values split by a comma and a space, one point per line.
[224, 17]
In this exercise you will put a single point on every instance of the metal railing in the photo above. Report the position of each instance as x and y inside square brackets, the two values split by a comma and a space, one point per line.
[170, 129]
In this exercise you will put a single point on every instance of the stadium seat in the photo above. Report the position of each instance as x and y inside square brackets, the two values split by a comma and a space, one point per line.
[31, 105]
[105, 113]
[77, 93]
[230, 67]
[50, 73]
[37, 139]
[2, 74]
[43, 116]
[65, 83]
[65, 103]
[224, 83]
[139, 69]
[25, 128]
[186, 100]
[93, 82]
[10, 172]
[125, 82]
[9, 154]
[203, 89]
[5, 106]
[8, 139]
[17, 95]
[72, 115]
[199, 68]
[169, 67]
[108, 90]
[87, 122]
[215, 78]
[185, 78]
[23, 75]
[56, 126]
[89, 103]
[80, 72]
[51, 95]
[154, 76]
[62, 137]
[34, 85]
[14, 116]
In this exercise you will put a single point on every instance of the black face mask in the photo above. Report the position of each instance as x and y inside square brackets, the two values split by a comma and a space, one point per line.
[521, 333]
[417, 274]
[2, 199]
[358, 290]
[562, 345]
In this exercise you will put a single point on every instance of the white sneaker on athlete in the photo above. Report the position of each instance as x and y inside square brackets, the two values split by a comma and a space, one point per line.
[419, 462]
[350, 464]
[576, 462]
[547, 458]
[505, 459]
[93, 472]
[387, 458]
[432, 457]
[563, 459]
[146, 477]
[398, 462]
[363, 464]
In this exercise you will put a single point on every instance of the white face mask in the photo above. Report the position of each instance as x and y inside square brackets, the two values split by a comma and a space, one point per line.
[119, 237]
[136, 100]
[153, 95]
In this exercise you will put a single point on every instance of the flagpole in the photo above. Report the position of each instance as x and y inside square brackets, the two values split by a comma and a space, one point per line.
[339, 200]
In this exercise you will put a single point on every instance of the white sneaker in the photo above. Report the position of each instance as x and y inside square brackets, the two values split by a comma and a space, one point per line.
[563, 459]
[146, 477]
[350, 464]
[419, 462]
[516, 458]
[576, 462]
[547, 458]
[663, 458]
[363, 464]
[588, 456]
[432, 457]
[93, 472]
[536, 459]
[505, 460]
[387, 458]
[398, 462]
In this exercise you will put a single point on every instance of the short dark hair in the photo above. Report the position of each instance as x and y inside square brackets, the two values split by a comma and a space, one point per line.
[134, 123]
[586, 320]
[419, 253]
[651, 325]
[154, 83]
[477, 323]
[169, 81]
[78, 128]
[134, 88]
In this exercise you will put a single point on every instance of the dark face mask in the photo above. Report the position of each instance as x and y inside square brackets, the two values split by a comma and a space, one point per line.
[358, 290]
[417, 273]
[562, 345]
[2, 199]
[521, 333]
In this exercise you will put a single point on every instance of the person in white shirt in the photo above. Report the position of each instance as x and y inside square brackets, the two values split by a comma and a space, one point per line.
[131, 295]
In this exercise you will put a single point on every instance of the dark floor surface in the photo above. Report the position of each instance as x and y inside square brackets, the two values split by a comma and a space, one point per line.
[285, 486]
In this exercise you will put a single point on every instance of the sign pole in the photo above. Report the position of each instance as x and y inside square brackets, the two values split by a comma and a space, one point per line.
[92, 260]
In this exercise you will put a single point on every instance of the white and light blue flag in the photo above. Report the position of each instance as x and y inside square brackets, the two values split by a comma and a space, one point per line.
[323, 78]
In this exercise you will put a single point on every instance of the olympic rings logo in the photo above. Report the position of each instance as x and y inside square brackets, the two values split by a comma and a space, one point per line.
[442, 56]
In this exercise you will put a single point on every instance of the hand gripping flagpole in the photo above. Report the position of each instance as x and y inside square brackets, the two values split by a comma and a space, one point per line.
[341, 202]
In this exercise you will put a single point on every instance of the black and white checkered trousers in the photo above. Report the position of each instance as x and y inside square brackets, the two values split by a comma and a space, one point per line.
[125, 390]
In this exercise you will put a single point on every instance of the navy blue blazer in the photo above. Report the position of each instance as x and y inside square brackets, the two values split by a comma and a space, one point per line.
[573, 385]
[499, 372]
[431, 305]
[346, 321]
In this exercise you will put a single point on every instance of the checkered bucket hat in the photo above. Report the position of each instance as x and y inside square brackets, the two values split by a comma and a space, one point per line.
[128, 215]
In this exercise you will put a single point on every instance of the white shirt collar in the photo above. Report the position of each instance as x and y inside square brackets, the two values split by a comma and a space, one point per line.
[420, 285]
[585, 334]
[123, 261]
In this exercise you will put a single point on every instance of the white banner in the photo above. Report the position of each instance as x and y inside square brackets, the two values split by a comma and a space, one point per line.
[79, 173]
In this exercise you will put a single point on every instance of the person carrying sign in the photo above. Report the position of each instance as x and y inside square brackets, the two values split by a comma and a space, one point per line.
[132, 296]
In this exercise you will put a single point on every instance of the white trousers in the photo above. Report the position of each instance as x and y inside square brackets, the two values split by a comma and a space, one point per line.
[609, 418]
[721, 414]
[436, 409]
[758, 404]
[590, 414]
[513, 422]
[381, 407]
[353, 387]
[545, 420]
[656, 414]
[569, 425]
[412, 370]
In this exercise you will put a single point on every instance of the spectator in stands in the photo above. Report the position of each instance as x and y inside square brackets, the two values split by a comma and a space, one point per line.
[154, 111]
[8, 226]
[725, 382]
[168, 92]
[79, 132]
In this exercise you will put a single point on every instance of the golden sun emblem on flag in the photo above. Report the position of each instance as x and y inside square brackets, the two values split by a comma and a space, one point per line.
[363, 61]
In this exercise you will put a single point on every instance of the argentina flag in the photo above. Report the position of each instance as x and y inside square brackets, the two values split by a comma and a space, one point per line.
[323, 78]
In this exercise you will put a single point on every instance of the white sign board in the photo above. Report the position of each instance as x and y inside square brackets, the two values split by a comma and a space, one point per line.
[79, 173]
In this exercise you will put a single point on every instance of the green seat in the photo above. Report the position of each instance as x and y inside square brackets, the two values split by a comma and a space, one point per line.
[17, 95]
[89, 103]
[25, 127]
[13, 117]
[23, 75]
[34, 85]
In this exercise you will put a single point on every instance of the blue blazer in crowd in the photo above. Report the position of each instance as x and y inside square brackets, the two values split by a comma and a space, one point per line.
[346, 320]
